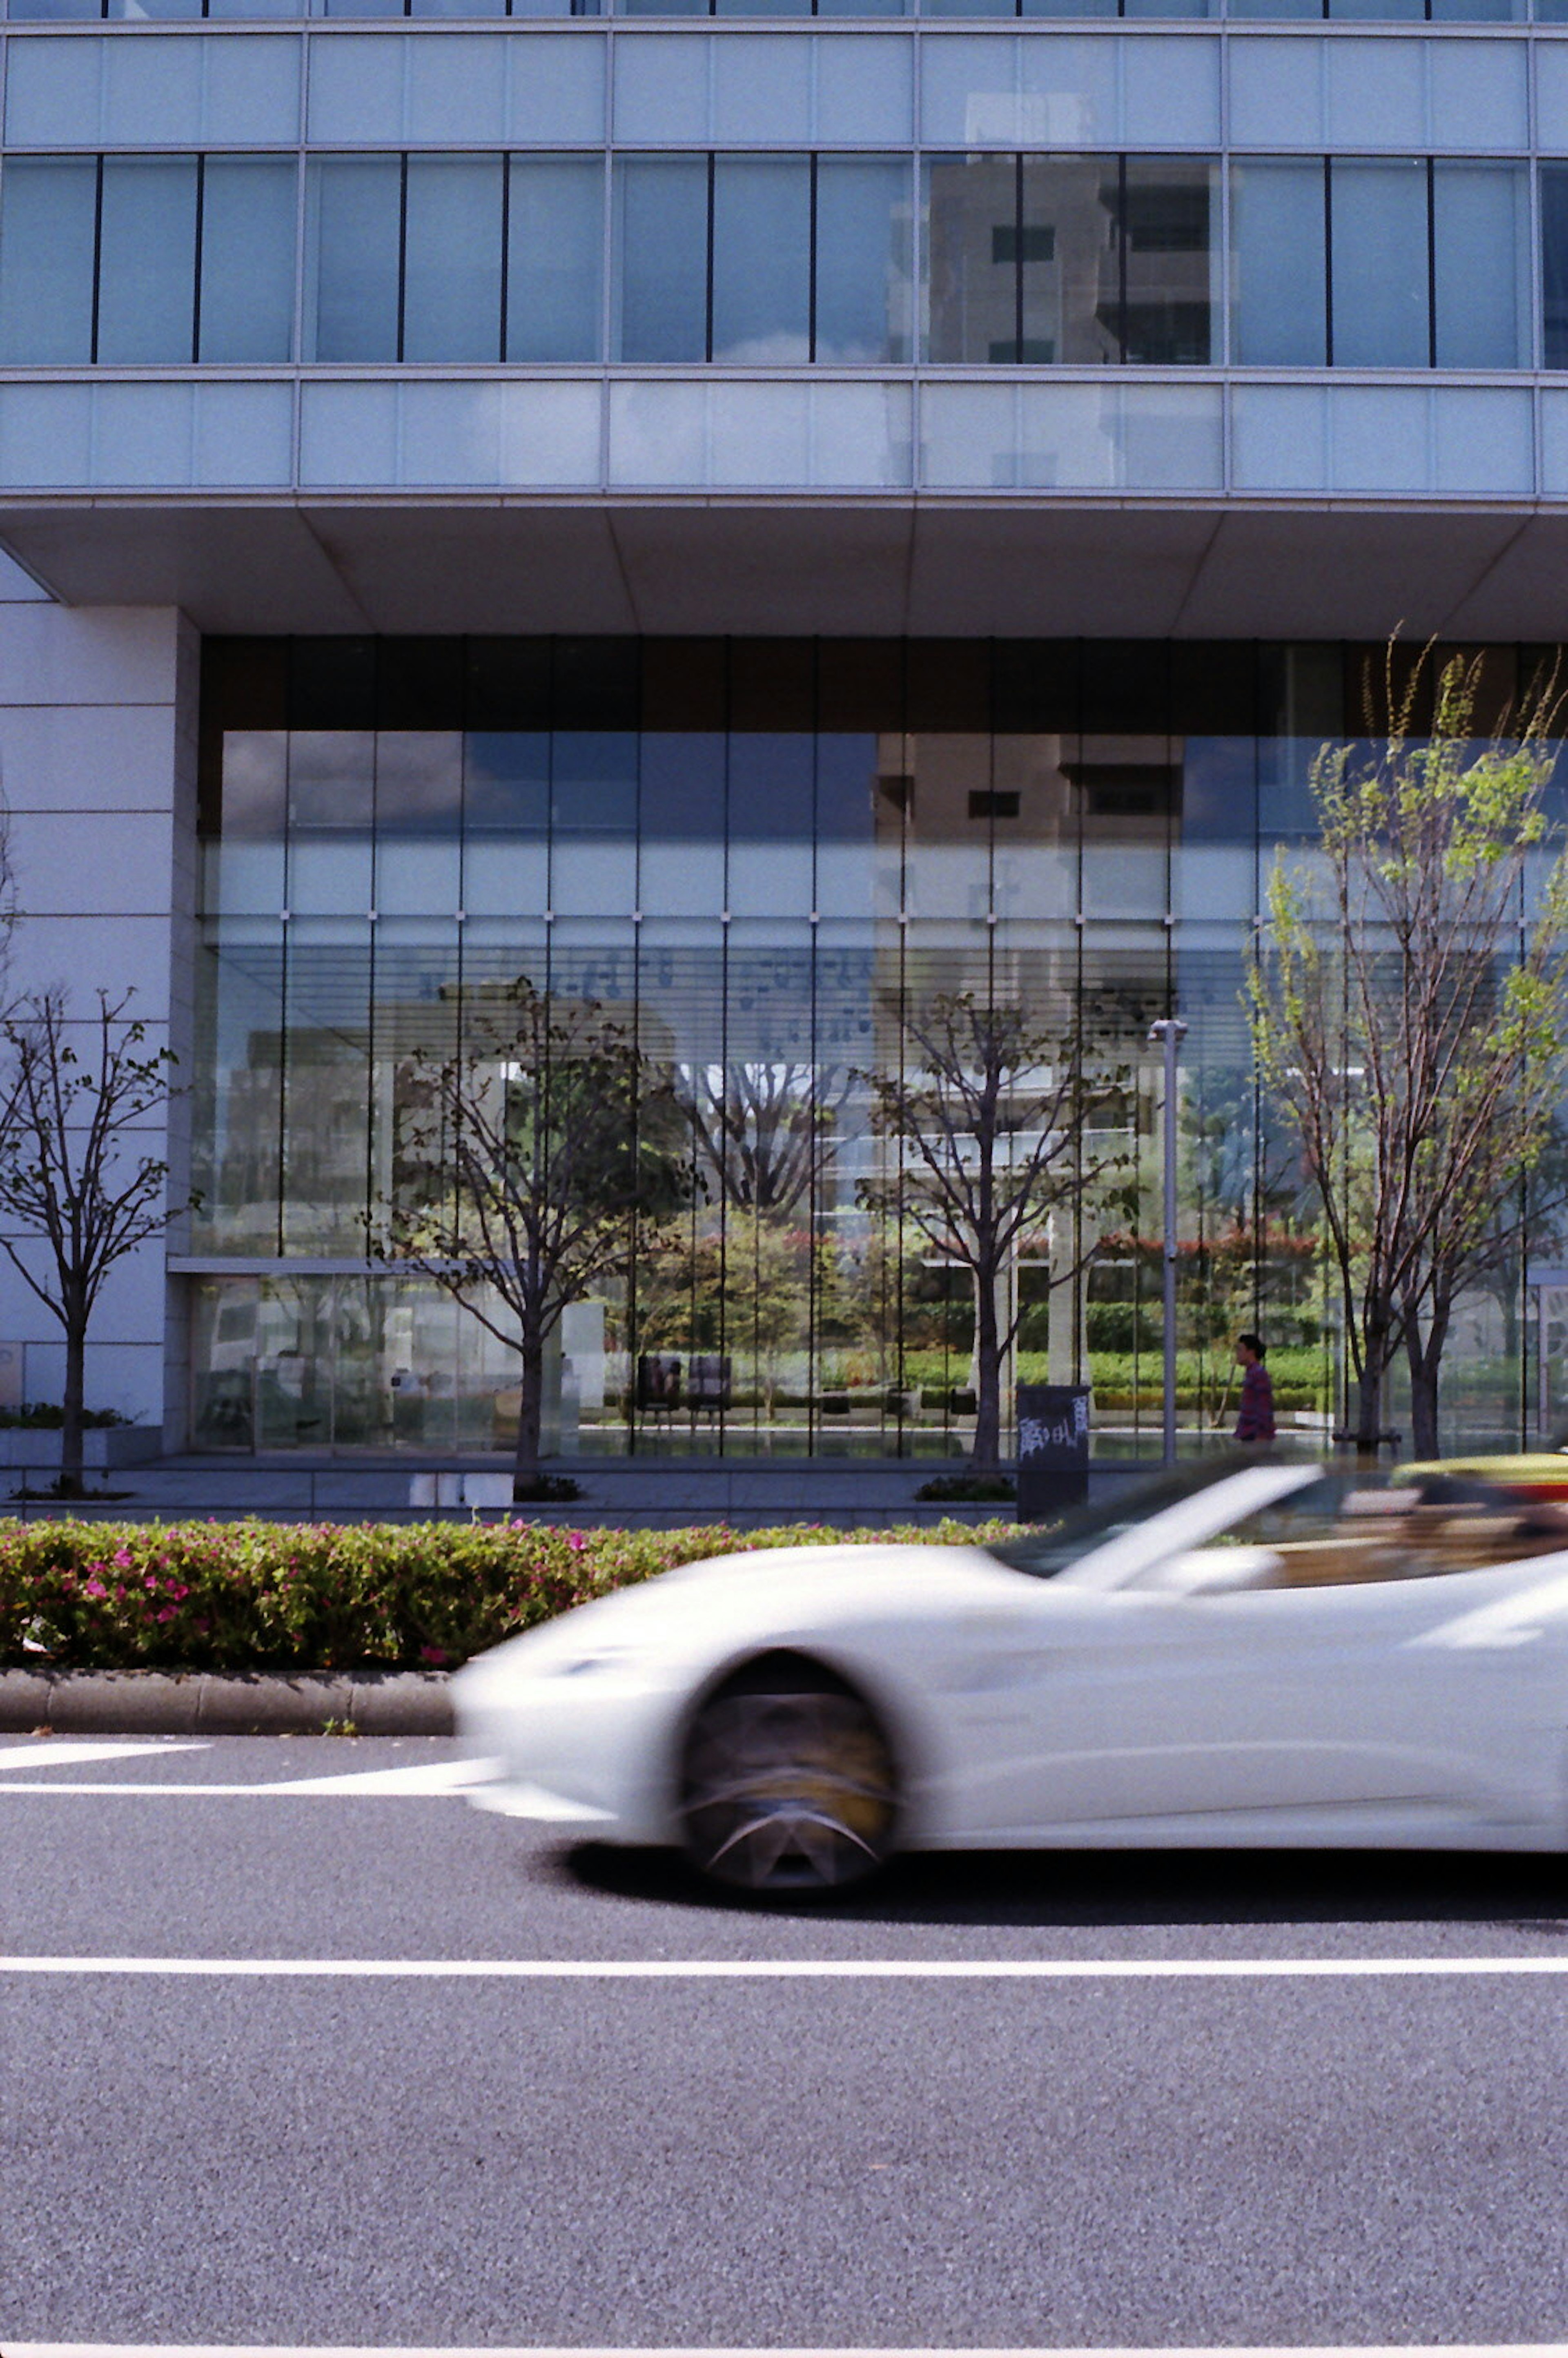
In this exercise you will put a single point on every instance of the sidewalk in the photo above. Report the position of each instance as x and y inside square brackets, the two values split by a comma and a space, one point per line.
[619, 1493]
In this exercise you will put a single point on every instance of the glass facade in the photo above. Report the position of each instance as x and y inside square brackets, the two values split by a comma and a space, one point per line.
[779, 261]
[1469, 11]
[770, 858]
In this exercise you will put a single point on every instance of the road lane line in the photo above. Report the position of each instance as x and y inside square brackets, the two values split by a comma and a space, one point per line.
[729, 1969]
[428, 1780]
[9, 2349]
[57, 1752]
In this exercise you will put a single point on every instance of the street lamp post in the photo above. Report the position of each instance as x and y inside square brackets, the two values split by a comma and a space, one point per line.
[1168, 1033]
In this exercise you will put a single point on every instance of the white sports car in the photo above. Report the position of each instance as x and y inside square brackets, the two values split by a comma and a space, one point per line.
[1253, 1653]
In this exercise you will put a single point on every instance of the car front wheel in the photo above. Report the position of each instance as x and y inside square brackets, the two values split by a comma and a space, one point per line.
[787, 1782]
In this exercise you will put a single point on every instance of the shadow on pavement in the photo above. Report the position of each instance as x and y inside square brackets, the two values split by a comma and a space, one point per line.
[1134, 1888]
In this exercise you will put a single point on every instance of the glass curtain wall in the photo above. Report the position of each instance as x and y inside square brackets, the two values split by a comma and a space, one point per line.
[770, 861]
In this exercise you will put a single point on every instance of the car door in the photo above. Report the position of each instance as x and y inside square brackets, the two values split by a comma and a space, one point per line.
[1416, 1708]
[1203, 1708]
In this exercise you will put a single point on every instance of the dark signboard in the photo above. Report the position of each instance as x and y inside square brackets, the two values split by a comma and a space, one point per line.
[1052, 1449]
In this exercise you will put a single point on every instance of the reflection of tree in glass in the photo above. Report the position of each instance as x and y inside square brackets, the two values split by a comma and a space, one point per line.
[761, 1129]
[990, 1117]
[529, 1164]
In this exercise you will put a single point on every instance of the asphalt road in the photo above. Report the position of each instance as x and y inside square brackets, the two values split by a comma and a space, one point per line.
[713, 2157]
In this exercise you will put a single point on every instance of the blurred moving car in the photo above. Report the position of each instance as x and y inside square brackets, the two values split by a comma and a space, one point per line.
[1542, 1472]
[1248, 1653]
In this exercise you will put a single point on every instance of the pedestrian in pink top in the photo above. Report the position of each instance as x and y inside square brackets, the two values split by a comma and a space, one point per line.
[1255, 1424]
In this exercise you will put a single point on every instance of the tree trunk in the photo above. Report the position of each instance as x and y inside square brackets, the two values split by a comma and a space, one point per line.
[530, 1415]
[988, 1379]
[1369, 1407]
[71, 1484]
[1424, 1358]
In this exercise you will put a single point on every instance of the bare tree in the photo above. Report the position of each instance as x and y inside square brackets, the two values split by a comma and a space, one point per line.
[1410, 1016]
[990, 1117]
[524, 1165]
[74, 1179]
[761, 1129]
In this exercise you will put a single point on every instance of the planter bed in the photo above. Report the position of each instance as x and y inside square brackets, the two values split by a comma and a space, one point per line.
[326, 1598]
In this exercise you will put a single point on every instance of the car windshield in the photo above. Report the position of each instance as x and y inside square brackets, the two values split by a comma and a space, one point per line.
[1054, 1546]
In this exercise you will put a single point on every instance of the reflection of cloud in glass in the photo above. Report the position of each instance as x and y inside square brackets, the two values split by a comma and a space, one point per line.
[508, 781]
[418, 781]
[332, 775]
[254, 773]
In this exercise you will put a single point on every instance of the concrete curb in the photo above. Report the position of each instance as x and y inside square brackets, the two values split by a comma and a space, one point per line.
[195, 1702]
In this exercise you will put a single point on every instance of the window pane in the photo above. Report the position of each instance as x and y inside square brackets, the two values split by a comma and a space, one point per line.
[970, 248]
[1066, 248]
[1171, 213]
[451, 298]
[47, 211]
[247, 259]
[661, 295]
[862, 259]
[555, 260]
[762, 260]
[1378, 265]
[147, 267]
[1481, 266]
[1279, 275]
[351, 259]
[1554, 261]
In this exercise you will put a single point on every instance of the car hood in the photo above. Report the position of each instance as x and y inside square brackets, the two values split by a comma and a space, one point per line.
[771, 1594]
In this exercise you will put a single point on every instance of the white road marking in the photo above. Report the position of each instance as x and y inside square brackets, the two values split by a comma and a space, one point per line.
[420, 1777]
[787, 1969]
[61, 1752]
[9, 2349]
[420, 1781]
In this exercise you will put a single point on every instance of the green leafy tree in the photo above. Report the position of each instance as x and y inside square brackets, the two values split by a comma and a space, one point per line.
[525, 1165]
[78, 1191]
[1410, 1015]
[988, 1122]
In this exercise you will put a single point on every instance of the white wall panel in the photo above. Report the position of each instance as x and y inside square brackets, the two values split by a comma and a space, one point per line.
[155, 90]
[661, 88]
[761, 92]
[46, 435]
[1479, 95]
[556, 88]
[52, 758]
[1379, 438]
[97, 863]
[1377, 94]
[99, 655]
[1169, 92]
[865, 88]
[1276, 93]
[1552, 96]
[1279, 438]
[1554, 445]
[348, 434]
[1483, 440]
[658, 433]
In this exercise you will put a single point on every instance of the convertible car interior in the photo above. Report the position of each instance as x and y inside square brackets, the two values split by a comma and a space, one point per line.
[1329, 1535]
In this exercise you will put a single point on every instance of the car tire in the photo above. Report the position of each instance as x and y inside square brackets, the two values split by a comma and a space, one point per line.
[788, 1782]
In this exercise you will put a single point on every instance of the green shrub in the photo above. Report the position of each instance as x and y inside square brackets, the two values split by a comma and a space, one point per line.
[327, 1596]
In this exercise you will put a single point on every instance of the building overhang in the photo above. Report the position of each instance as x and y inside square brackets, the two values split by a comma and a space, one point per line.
[864, 568]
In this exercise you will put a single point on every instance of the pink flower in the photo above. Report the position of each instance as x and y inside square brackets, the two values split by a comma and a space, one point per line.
[167, 1613]
[576, 1543]
[93, 1588]
[123, 1558]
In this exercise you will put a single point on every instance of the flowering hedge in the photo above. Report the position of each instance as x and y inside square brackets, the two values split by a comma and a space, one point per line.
[329, 1596]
